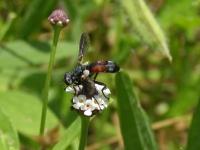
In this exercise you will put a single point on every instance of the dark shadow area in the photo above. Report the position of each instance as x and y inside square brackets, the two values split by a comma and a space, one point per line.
[6, 49]
[40, 46]
[34, 82]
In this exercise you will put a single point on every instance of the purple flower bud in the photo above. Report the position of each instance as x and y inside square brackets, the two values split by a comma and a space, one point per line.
[59, 17]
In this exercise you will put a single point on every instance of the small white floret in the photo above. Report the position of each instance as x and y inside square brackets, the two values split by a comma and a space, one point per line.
[88, 113]
[106, 91]
[60, 23]
[88, 105]
[52, 20]
[101, 101]
[78, 101]
[74, 89]
[69, 89]
[67, 20]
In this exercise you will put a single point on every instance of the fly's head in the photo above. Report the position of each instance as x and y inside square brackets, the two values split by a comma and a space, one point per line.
[74, 76]
[69, 78]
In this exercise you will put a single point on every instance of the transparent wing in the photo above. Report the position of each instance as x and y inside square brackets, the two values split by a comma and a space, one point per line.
[83, 46]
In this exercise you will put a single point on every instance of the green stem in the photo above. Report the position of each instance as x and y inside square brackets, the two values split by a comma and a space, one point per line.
[84, 132]
[45, 93]
[7, 26]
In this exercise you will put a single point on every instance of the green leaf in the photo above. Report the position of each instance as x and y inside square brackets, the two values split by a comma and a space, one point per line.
[134, 123]
[145, 24]
[36, 12]
[25, 54]
[24, 110]
[194, 136]
[8, 135]
[69, 135]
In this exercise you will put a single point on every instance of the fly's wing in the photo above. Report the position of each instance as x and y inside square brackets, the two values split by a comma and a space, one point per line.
[83, 46]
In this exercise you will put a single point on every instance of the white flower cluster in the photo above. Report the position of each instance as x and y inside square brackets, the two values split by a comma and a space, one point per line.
[89, 106]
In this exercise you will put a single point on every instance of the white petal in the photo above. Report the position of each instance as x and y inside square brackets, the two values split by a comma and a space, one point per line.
[102, 106]
[76, 106]
[97, 107]
[69, 89]
[104, 102]
[91, 104]
[88, 102]
[99, 87]
[106, 92]
[88, 112]
[75, 99]
[97, 99]
[82, 98]
[105, 105]
[78, 88]
[104, 99]
[98, 103]
[83, 107]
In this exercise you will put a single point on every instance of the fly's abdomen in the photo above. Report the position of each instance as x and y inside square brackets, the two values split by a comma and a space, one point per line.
[103, 66]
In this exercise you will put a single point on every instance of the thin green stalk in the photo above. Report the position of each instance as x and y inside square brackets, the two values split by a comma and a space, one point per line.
[45, 93]
[7, 26]
[84, 132]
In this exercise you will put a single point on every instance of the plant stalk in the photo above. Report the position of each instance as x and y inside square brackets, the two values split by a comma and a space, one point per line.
[84, 132]
[45, 93]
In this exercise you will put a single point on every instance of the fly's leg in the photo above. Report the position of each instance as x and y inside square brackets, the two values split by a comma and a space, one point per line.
[79, 89]
[75, 90]
[104, 87]
[97, 103]
[95, 76]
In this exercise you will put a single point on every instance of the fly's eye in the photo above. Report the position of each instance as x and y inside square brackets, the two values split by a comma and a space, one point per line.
[68, 79]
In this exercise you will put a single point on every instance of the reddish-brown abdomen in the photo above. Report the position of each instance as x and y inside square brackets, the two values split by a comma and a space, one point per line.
[98, 68]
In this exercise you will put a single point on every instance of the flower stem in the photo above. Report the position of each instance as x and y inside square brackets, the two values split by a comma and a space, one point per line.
[84, 132]
[45, 93]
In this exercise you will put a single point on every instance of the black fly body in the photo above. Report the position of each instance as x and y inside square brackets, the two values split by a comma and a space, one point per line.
[82, 79]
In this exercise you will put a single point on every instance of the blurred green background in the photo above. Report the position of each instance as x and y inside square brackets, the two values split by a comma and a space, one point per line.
[168, 91]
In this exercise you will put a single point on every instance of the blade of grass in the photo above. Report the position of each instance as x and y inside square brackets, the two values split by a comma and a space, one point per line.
[194, 136]
[145, 24]
[134, 123]
[8, 137]
[69, 135]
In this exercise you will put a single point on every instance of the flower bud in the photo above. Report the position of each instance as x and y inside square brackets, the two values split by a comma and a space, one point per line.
[59, 17]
